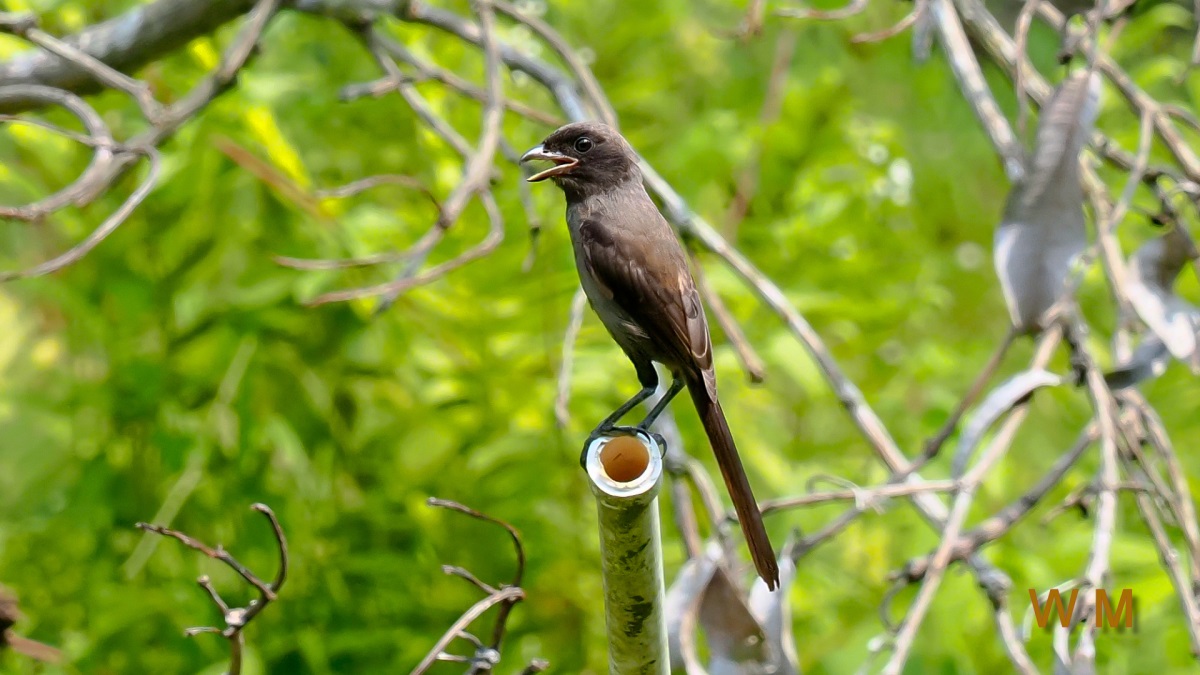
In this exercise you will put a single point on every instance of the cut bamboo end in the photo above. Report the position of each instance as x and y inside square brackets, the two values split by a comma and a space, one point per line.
[624, 466]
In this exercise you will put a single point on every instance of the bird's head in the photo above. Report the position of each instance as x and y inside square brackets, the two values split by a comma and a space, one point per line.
[587, 157]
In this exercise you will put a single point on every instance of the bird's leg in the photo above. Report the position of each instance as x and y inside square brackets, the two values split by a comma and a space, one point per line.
[676, 386]
[610, 422]
[677, 383]
[649, 379]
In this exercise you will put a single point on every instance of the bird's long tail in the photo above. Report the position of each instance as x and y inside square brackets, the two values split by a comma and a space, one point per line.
[723, 447]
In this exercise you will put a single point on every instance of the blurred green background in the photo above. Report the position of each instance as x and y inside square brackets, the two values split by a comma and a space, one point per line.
[174, 374]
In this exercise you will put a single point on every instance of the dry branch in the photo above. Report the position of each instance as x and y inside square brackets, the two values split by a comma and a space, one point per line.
[9, 639]
[504, 596]
[236, 618]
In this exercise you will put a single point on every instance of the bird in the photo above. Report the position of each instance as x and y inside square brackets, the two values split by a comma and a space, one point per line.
[635, 275]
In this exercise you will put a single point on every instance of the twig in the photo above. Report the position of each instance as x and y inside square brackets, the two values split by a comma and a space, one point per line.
[1097, 568]
[862, 497]
[1184, 507]
[954, 522]
[562, 412]
[851, 8]
[98, 235]
[934, 444]
[995, 527]
[918, 13]
[772, 106]
[1024, 21]
[161, 27]
[93, 179]
[394, 288]
[349, 190]
[591, 88]
[751, 363]
[9, 615]
[505, 595]
[113, 159]
[236, 618]
[26, 27]
[974, 86]
[430, 72]
[1184, 587]
[474, 183]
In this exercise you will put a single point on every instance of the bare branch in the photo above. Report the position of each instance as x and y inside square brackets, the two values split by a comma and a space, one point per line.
[26, 27]
[591, 88]
[161, 27]
[852, 8]
[934, 445]
[235, 618]
[562, 412]
[863, 498]
[9, 615]
[512, 531]
[349, 190]
[93, 179]
[506, 596]
[974, 86]
[995, 527]
[954, 522]
[475, 180]
[751, 363]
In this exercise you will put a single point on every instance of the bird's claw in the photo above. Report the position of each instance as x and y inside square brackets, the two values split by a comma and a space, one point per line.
[603, 432]
[658, 438]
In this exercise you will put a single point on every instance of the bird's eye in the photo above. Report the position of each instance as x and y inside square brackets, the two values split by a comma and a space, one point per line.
[583, 144]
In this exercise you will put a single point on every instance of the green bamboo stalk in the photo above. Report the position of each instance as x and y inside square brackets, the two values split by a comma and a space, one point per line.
[626, 475]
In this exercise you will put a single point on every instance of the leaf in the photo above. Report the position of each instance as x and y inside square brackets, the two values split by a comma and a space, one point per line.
[682, 607]
[1064, 127]
[1148, 361]
[744, 636]
[1043, 230]
[1153, 269]
[774, 614]
[922, 35]
[736, 641]
[1001, 399]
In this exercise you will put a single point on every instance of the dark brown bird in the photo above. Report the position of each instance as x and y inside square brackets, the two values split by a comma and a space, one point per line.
[635, 274]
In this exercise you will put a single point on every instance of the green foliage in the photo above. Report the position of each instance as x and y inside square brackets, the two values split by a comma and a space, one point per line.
[174, 374]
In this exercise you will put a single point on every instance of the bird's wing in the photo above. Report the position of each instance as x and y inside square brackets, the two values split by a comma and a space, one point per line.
[644, 272]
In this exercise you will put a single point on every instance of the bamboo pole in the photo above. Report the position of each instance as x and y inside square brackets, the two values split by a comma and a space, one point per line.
[626, 475]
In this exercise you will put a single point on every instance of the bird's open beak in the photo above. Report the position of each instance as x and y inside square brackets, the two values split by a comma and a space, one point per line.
[562, 163]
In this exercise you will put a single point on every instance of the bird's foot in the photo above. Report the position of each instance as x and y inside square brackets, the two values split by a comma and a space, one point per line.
[658, 438]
